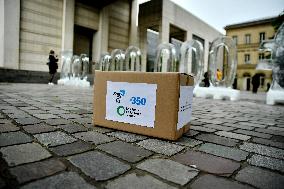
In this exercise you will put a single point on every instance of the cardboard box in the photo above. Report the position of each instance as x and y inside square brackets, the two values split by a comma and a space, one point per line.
[148, 103]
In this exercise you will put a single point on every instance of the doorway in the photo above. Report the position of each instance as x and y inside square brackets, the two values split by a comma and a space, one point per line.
[83, 41]
[248, 83]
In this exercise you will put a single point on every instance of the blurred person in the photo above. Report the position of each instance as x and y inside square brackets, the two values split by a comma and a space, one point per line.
[255, 83]
[219, 75]
[206, 80]
[52, 65]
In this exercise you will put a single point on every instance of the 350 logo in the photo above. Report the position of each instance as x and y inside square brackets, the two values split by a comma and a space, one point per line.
[138, 100]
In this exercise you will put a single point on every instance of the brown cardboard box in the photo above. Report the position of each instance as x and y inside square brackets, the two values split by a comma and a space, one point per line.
[163, 107]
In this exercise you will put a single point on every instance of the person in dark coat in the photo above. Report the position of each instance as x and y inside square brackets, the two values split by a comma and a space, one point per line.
[52, 65]
[206, 80]
[255, 83]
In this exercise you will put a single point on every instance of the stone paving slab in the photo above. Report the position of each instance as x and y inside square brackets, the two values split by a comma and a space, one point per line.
[24, 153]
[8, 127]
[169, 170]
[93, 137]
[73, 128]
[260, 178]
[189, 142]
[39, 128]
[218, 139]
[230, 144]
[224, 151]
[267, 162]
[98, 166]
[138, 182]
[12, 138]
[263, 150]
[233, 135]
[268, 142]
[128, 137]
[37, 170]
[54, 138]
[253, 133]
[161, 147]
[125, 151]
[27, 121]
[213, 182]
[67, 180]
[70, 149]
[208, 163]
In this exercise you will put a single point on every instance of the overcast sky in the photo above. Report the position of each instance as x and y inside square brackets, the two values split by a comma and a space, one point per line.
[219, 13]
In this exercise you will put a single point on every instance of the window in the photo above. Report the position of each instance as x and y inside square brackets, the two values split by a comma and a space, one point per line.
[261, 36]
[247, 58]
[235, 39]
[247, 39]
[260, 56]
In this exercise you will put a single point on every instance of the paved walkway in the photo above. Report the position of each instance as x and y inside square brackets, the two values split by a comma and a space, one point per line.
[47, 141]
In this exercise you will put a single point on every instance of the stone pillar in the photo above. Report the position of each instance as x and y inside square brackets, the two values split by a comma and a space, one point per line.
[2, 33]
[100, 38]
[188, 35]
[143, 46]
[206, 54]
[9, 33]
[133, 27]
[68, 25]
[164, 31]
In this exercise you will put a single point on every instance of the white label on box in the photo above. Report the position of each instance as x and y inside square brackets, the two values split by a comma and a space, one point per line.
[185, 105]
[132, 103]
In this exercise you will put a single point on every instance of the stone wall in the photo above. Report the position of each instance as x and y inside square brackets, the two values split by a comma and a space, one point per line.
[40, 31]
[26, 76]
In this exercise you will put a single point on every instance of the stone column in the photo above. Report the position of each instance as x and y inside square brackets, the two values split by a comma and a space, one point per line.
[206, 54]
[133, 27]
[68, 25]
[100, 38]
[164, 31]
[143, 46]
[9, 33]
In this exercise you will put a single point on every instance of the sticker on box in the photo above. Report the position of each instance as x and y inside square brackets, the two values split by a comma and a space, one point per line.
[133, 103]
[185, 105]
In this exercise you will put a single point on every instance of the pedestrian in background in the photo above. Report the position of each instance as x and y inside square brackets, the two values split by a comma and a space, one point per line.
[52, 65]
[219, 75]
[255, 83]
[206, 80]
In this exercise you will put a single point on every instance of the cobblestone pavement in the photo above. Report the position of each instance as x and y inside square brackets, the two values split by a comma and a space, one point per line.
[47, 140]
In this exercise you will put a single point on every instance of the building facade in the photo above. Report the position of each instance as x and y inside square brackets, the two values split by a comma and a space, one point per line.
[248, 36]
[169, 22]
[29, 29]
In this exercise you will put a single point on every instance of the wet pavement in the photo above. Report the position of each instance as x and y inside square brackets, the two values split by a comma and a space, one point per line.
[47, 140]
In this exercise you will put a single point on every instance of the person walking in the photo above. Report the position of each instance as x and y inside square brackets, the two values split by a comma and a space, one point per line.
[52, 65]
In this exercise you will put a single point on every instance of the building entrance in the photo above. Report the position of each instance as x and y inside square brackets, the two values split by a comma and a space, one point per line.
[83, 40]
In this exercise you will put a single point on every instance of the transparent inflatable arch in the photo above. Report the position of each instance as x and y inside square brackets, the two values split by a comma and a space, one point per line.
[76, 66]
[85, 65]
[105, 62]
[66, 64]
[222, 56]
[166, 58]
[276, 47]
[133, 60]
[117, 61]
[192, 59]
[74, 70]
